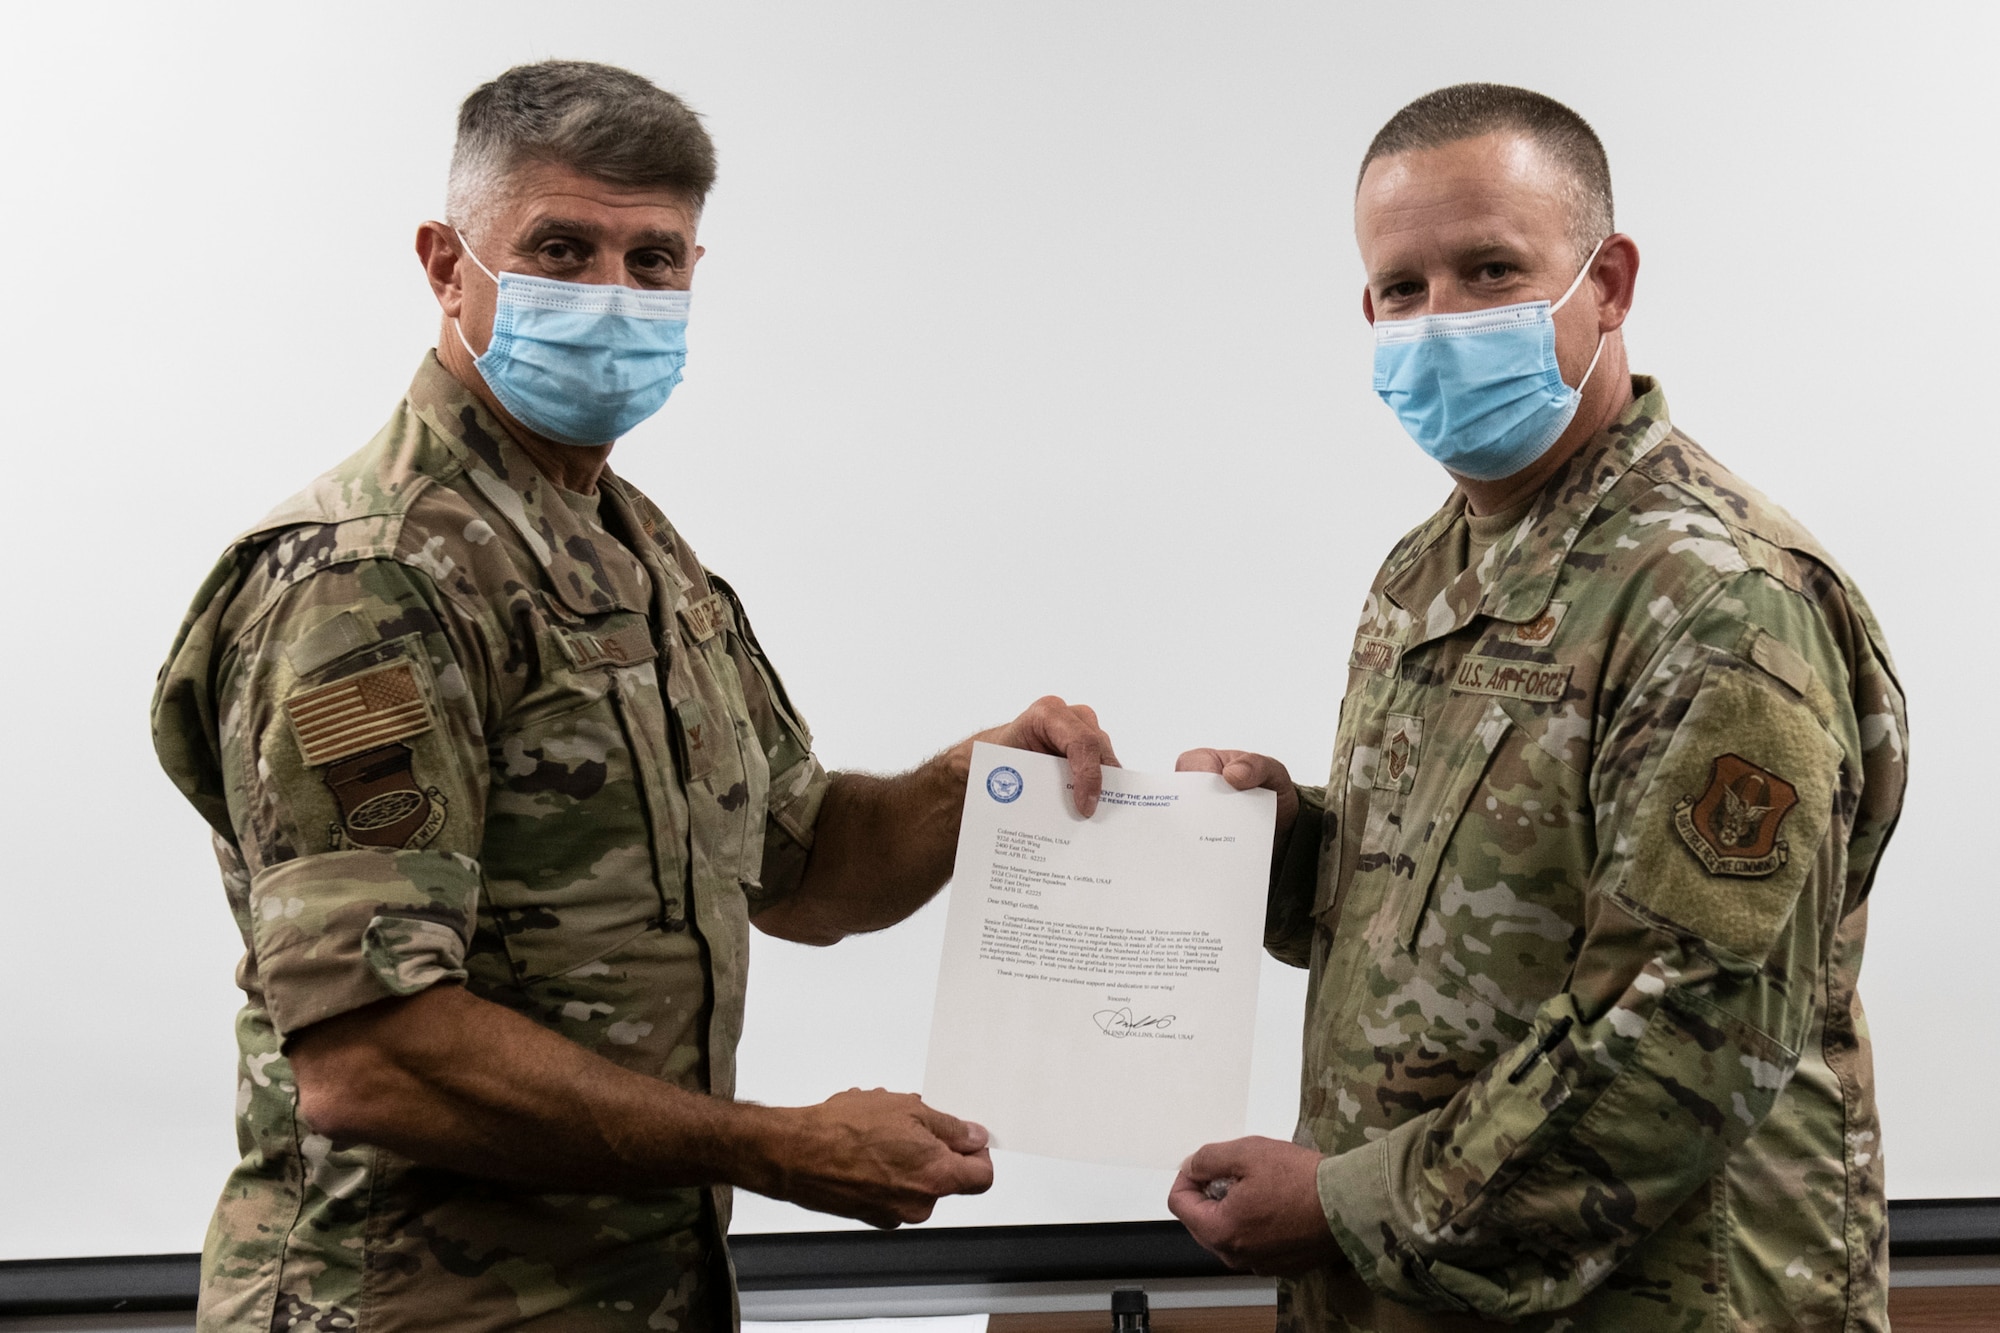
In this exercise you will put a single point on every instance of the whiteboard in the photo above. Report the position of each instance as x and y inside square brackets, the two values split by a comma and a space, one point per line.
[996, 296]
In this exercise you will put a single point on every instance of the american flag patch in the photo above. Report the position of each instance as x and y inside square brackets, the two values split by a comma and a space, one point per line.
[358, 713]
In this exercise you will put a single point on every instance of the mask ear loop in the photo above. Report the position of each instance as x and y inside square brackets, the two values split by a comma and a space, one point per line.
[466, 247]
[1579, 384]
[1561, 301]
[1575, 283]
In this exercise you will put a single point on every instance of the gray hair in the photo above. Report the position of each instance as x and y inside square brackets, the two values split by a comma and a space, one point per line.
[608, 123]
[1470, 110]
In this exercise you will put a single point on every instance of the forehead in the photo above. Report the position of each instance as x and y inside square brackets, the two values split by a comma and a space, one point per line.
[540, 192]
[1498, 190]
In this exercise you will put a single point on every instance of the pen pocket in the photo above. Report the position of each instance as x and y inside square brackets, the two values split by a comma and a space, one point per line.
[1355, 806]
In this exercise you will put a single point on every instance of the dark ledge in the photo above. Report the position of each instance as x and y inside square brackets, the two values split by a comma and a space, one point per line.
[804, 1260]
[1927, 1228]
[1108, 1251]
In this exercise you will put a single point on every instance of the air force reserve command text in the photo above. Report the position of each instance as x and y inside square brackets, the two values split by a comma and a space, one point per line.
[1099, 984]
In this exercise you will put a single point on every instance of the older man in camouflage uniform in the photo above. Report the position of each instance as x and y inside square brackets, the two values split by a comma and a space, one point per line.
[1584, 898]
[499, 777]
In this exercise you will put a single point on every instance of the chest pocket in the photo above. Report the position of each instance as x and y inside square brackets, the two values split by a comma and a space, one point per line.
[1408, 779]
[1469, 731]
[1348, 783]
[570, 847]
[728, 777]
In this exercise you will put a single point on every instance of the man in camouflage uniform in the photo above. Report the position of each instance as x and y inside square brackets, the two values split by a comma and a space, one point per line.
[1584, 898]
[498, 778]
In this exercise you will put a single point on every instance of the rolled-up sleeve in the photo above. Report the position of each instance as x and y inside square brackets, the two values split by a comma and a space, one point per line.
[354, 763]
[341, 930]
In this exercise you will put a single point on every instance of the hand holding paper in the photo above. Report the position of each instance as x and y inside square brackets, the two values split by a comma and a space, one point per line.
[1267, 1217]
[1246, 770]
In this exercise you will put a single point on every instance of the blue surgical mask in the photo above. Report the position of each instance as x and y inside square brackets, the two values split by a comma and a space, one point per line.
[1480, 391]
[580, 362]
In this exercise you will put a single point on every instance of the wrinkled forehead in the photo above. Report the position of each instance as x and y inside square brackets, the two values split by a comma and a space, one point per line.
[1495, 189]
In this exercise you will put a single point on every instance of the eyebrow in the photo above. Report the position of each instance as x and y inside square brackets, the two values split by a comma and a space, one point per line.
[673, 242]
[1471, 253]
[651, 238]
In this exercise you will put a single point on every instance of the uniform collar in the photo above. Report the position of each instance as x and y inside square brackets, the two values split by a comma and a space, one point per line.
[1517, 576]
[590, 572]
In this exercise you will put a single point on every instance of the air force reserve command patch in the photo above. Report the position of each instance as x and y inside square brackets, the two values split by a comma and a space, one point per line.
[1732, 827]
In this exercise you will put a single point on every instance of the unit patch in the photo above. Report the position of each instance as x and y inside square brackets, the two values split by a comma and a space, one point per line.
[1537, 632]
[380, 802]
[1373, 654]
[358, 713]
[1402, 749]
[1732, 827]
[1536, 682]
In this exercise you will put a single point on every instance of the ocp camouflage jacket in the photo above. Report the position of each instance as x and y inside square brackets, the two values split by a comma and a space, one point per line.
[1584, 904]
[447, 726]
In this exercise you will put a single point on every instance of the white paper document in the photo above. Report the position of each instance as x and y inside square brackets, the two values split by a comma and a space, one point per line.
[1099, 986]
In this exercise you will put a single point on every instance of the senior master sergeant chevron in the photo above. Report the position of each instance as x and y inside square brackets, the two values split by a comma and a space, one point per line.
[499, 776]
[1584, 898]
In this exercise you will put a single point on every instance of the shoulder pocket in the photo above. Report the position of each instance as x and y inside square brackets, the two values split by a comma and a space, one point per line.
[371, 763]
[1730, 825]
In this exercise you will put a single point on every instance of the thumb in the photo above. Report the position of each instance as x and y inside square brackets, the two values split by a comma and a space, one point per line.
[961, 1136]
[1214, 1161]
[1241, 773]
[1199, 761]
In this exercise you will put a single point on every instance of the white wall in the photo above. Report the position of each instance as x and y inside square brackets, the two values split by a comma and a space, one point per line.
[1026, 357]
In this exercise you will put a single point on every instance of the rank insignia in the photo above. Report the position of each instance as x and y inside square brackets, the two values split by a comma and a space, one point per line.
[1402, 748]
[1538, 632]
[1732, 827]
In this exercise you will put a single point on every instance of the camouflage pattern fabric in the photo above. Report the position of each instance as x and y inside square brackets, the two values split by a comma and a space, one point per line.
[447, 728]
[1584, 903]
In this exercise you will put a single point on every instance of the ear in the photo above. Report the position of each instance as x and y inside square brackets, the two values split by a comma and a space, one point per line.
[1615, 277]
[1367, 304]
[438, 251]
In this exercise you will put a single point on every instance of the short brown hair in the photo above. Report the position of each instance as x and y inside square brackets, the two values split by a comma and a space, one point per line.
[606, 122]
[1469, 110]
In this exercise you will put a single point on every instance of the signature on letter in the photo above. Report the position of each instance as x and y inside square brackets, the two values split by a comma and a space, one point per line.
[1121, 1023]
